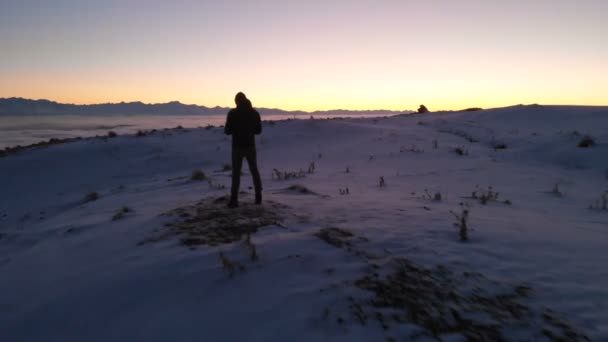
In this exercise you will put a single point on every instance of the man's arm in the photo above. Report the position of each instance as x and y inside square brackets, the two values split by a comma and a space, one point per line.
[228, 126]
[258, 123]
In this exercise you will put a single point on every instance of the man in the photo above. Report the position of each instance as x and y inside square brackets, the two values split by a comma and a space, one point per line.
[243, 123]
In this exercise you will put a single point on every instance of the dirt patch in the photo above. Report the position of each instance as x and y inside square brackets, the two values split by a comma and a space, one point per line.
[300, 189]
[211, 222]
[428, 299]
[439, 302]
[442, 303]
[344, 239]
[335, 236]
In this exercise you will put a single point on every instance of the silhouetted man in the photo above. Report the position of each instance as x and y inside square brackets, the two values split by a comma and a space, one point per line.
[243, 123]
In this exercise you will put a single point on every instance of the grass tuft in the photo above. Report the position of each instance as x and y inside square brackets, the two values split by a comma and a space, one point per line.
[601, 203]
[121, 213]
[437, 197]
[312, 167]
[299, 188]
[462, 222]
[198, 175]
[381, 182]
[484, 197]
[91, 196]
[461, 151]
[253, 252]
[227, 264]
[556, 191]
[286, 175]
[586, 141]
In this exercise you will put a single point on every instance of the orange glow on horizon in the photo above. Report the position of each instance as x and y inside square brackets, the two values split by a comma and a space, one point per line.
[313, 55]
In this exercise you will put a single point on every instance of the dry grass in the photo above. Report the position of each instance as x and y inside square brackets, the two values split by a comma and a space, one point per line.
[436, 300]
[198, 175]
[312, 167]
[586, 141]
[335, 236]
[601, 203]
[439, 302]
[461, 151]
[437, 197]
[210, 222]
[141, 133]
[91, 196]
[230, 266]
[120, 213]
[251, 247]
[286, 175]
[53, 141]
[382, 182]
[301, 189]
[486, 196]
[556, 191]
[462, 223]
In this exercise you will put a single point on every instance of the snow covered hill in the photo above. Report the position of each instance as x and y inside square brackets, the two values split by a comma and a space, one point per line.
[114, 239]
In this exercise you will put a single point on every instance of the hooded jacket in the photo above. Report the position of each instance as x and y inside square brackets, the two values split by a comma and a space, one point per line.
[243, 123]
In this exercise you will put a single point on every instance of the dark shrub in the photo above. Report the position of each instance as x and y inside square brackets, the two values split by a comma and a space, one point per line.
[299, 188]
[91, 196]
[587, 141]
[198, 175]
[121, 213]
[461, 151]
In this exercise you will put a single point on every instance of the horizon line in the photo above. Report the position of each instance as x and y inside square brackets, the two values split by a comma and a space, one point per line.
[404, 111]
[203, 105]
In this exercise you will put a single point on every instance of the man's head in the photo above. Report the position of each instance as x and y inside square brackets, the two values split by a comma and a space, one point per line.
[240, 99]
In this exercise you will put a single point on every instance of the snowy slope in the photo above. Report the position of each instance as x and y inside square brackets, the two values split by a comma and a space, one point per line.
[70, 273]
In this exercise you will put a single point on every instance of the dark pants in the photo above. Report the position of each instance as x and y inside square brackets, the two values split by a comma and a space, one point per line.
[238, 153]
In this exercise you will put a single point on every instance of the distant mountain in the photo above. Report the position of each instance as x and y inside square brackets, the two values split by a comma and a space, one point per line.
[21, 106]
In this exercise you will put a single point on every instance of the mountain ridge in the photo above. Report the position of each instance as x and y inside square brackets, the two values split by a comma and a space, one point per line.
[23, 106]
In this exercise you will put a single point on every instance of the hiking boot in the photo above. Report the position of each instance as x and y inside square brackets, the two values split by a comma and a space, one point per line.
[258, 198]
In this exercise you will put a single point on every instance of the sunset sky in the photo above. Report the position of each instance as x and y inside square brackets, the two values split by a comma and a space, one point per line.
[313, 54]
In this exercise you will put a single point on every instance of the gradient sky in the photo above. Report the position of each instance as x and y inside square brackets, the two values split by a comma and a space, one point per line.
[309, 54]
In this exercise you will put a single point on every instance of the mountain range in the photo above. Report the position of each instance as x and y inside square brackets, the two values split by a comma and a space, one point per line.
[21, 106]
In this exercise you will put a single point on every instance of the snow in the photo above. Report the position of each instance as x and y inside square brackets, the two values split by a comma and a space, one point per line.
[70, 273]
